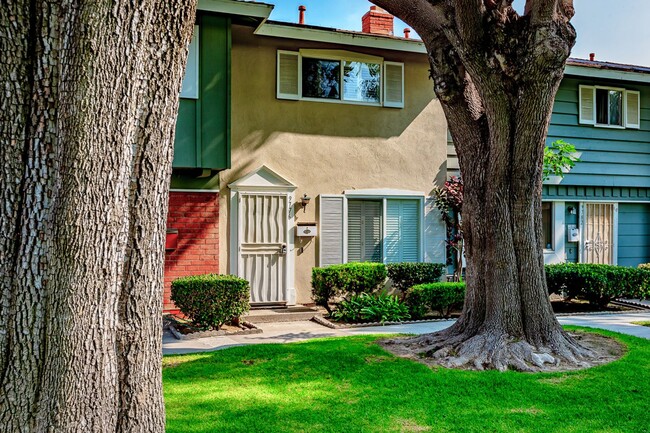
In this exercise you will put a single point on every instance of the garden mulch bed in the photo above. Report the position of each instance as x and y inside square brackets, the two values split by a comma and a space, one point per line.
[560, 307]
[183, 329]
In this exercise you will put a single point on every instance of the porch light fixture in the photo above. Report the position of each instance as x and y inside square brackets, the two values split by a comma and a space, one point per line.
[304, 201]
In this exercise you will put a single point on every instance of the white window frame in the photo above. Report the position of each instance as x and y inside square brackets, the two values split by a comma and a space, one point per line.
[624, 120]
[557, 253]
[384, 199]
[342, 59]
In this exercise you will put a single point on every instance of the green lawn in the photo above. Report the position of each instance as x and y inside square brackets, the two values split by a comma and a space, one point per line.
[641, 323]
[352, 385]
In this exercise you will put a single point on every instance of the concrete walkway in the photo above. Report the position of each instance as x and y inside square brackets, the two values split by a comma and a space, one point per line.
[288, 332]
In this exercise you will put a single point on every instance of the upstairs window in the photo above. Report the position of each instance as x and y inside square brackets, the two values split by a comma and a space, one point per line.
[340, 76]
[190, 87]
[610, 107]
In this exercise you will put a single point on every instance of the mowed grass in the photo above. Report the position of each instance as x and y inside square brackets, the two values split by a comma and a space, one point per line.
[641, 323]
[353, 385]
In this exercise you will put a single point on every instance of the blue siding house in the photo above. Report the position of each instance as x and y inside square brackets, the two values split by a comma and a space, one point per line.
[600, 211]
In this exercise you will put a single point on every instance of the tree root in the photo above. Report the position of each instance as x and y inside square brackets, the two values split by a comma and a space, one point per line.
[493, 351]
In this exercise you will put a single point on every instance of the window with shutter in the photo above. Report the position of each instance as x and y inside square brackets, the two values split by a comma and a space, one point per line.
[339, 76]
[609, 107]
[402, 231]
[393, 85]
[632, 109]
[288, 75]
[331, 230]
[364, 231]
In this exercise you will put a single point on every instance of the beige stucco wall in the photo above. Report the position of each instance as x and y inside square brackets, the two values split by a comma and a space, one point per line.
[326, 148]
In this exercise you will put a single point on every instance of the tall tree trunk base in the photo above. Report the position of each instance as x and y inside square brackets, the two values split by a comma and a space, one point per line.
[499, 351]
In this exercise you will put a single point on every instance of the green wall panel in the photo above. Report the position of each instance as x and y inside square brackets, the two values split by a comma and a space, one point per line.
[633, 233]
[203, 125]
[215, 92]
[185, 141]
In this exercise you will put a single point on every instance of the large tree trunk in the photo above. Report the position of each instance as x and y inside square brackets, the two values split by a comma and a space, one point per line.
[496, 74]
[90, 95]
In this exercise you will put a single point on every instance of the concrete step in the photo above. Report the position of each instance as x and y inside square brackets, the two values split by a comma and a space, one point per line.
[294, 313]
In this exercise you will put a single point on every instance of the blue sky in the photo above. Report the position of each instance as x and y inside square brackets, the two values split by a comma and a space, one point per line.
[617, 31]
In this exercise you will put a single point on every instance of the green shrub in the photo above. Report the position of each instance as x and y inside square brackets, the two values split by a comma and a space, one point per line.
[211, 300]
[598, 284]
[371, 308]
[438, 297]
[345, 280]
[645, 266]
[407, 275]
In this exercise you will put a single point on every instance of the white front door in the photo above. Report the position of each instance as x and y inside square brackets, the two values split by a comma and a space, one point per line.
[263, 220]
[599, 227]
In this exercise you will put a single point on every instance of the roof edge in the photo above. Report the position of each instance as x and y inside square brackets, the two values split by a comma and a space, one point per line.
[237, 7]
[340, 37]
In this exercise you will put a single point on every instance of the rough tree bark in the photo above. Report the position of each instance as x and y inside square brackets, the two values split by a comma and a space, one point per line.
[496, 74]
[90, 96]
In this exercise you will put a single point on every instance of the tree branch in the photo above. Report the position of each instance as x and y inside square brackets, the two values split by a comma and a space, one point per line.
[419, 14]
[541, 11]
[469, 19]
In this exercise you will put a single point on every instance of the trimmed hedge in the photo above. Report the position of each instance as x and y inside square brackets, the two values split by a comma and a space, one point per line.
[366, 307]
[598, 284]
[345, 280]
[407, 275]
[211, 300]
[440, 297]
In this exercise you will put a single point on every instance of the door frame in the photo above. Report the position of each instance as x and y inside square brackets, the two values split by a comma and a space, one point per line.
[263, 181]
[582, 223]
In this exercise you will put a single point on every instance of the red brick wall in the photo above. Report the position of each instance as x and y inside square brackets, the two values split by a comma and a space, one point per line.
[196, 217]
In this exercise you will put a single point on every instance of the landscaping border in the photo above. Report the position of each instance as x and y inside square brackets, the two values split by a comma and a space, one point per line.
[324, 322]
[328, 324]
[252, 329]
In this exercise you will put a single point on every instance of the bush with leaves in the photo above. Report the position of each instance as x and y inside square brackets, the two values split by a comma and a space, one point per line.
[407, 275]
[211, 300]
[366, 307]
[338, 281]
[596, 283]
[559, 157]
[436, 297]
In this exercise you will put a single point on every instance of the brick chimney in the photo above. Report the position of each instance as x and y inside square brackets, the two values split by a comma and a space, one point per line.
[377, 21]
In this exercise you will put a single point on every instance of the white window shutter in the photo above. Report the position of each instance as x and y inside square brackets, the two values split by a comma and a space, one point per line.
[288, 86]
[394, 84]
[402, 231]
[587, 107]
[355, 231]
[364, 231]
[190, 87]
[331, 230]
[632, 109]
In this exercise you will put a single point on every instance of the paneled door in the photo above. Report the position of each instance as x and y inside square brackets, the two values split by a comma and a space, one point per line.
[263, 219]
[599, 233]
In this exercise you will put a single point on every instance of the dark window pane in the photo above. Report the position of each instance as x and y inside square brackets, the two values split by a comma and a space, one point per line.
[615, 107]
[602, 106]
[547, 225]
[321, 78]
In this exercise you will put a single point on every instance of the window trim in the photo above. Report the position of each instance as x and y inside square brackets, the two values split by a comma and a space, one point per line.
[342, 57]
[623, 107]
[553, 228]
[594, 120]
